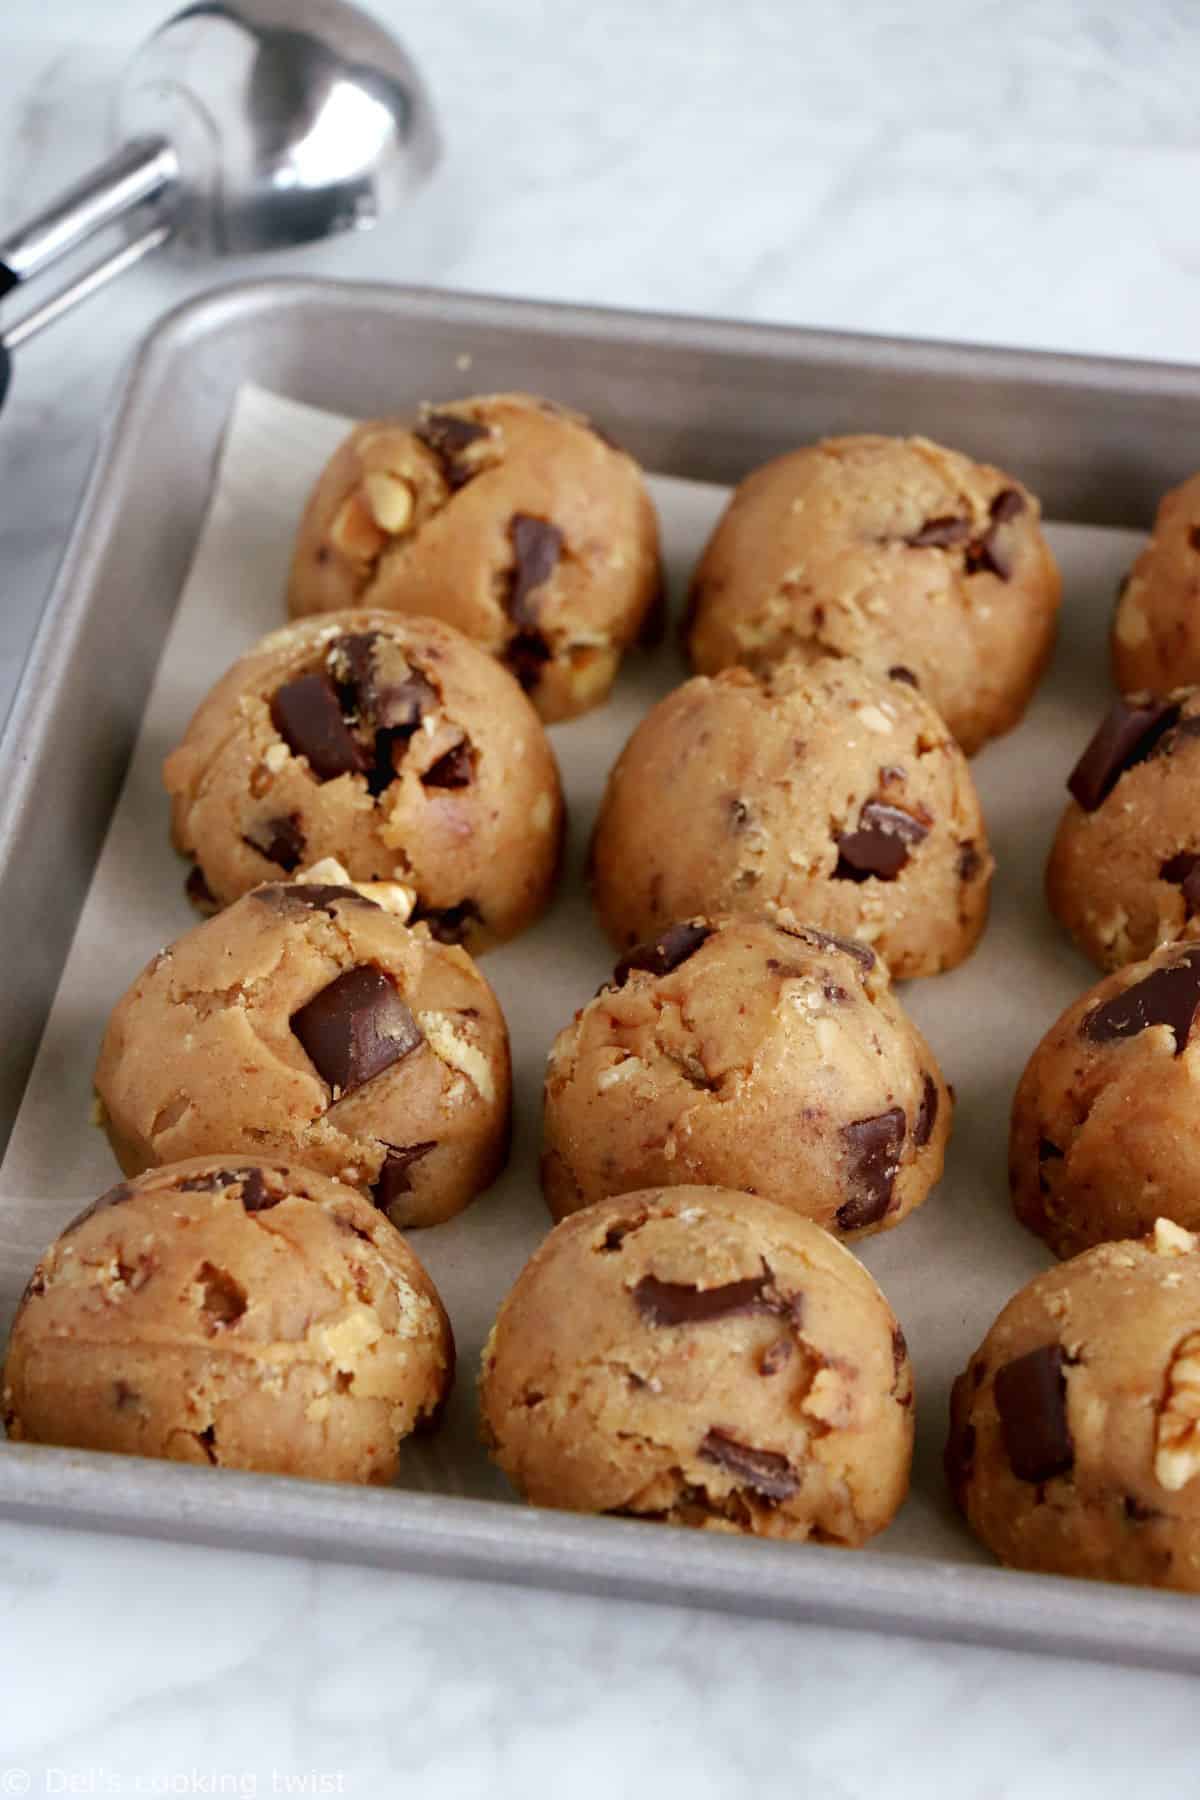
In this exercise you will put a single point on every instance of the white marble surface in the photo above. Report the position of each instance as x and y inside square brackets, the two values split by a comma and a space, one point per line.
[1021, 173]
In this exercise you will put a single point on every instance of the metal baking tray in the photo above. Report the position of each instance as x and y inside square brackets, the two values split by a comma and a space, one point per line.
[1099, 440]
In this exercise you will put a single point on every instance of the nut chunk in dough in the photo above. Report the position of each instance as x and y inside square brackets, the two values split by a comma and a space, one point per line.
[906, 556]
[1124, 872]
[395, 746]
[750, 1053]
[705, 1358]
[251, 1315]
[506, 516]
[306, 1021]
[1105, 1126]
[817, 788]
[1074, 1442]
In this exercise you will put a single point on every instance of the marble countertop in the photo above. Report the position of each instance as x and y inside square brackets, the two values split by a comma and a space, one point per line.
[1021, 173]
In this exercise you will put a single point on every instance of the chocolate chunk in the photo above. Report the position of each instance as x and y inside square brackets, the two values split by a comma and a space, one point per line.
[356, 1028]
[448, 924]
[1139, 1514]
[873, 1161]
[1194, 537]
[124, 1396]
[960, 1444]
[255, 1197]
[350, 661]
[401, 705]
[280, 840]
[739, 814]
[939, 533]
[898, 672]
[664, 954]
[879, 845]
[393, 1180]
[526, 655]
[297, 897]
[537, 546]
[1126, 736]
[308, 718]
[1031, 1399]
[1183, 871]
[1048, 1152]
[198, 890]
[1009, 502]
[448, 436]
[827, 940]
[776, 1356]
[969, 861]
[455, 769]
[927, 1112]
[899, 1350]
[1168, 996]
[833, 991]
[679, 1303]
[766, 1471]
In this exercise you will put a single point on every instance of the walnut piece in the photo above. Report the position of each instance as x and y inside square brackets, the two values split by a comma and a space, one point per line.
[1177, 1442]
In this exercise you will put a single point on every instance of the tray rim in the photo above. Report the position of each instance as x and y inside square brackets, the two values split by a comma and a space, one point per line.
[930, 1597]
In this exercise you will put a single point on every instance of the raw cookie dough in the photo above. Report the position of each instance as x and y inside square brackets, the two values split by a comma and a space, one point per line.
[1075, 1431]
[894, 551]
[394, 745]
[816, 787]
[698, 1356]
[750, 1054]
[251, 1315]
[1156, 627]
[1105, 1124]
[1124, 873]
[505, 515]
[306, 1021]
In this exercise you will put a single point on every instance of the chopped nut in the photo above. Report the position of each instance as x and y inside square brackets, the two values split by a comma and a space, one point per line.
[390, 499]
[452, 1048]
[622, 1071]
[1172, 1240]
[354, 531]
[1177, 1443]
[875, 720]
[592, 673]
[1132, 629]
[275, 756]
[326, 873]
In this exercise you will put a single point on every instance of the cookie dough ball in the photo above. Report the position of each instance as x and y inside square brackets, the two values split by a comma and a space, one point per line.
[1156, 628]
[1075, 1431]
[250, 1315]
[818, 788]
[393, 745]
[308, 1022]
[704, 1358]
[508, 517]
[1105, 1126]
[904, 555]
[1124, 873]
[752, 1054]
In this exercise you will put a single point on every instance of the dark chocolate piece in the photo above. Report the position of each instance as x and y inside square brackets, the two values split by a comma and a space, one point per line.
[350, 661]
[899, 1350]
[879, 846]
[1183, 871]
[455, 769]
[675, 945]
[1168, 996]
[927, 1112]
[939, 533]
[309, 896]
[526, 655]
[898, 672]
[969, 861]
[448, 924]
[1009, 502]
[356, 1028]
[255, 1197]
[776, 1356]
[766, 1471]
[308, 718]
[537, 546]
[1031, 1399]
[393, 1180]
[1048, 1152]
[826, 940]
[1127, 735]
[448, 436]
[1139, 1514]
[873, 1149]
[280, 840]
[679, 1303]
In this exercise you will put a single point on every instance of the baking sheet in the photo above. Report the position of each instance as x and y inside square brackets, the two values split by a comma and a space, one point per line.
[946, 1271]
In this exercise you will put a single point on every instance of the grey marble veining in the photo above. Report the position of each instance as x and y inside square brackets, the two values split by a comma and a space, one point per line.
[1021, 173]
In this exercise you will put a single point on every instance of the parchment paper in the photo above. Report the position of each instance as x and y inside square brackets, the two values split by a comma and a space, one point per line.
[947, 1270]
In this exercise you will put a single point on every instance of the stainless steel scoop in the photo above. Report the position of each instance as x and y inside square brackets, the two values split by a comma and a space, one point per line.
[244, 125]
